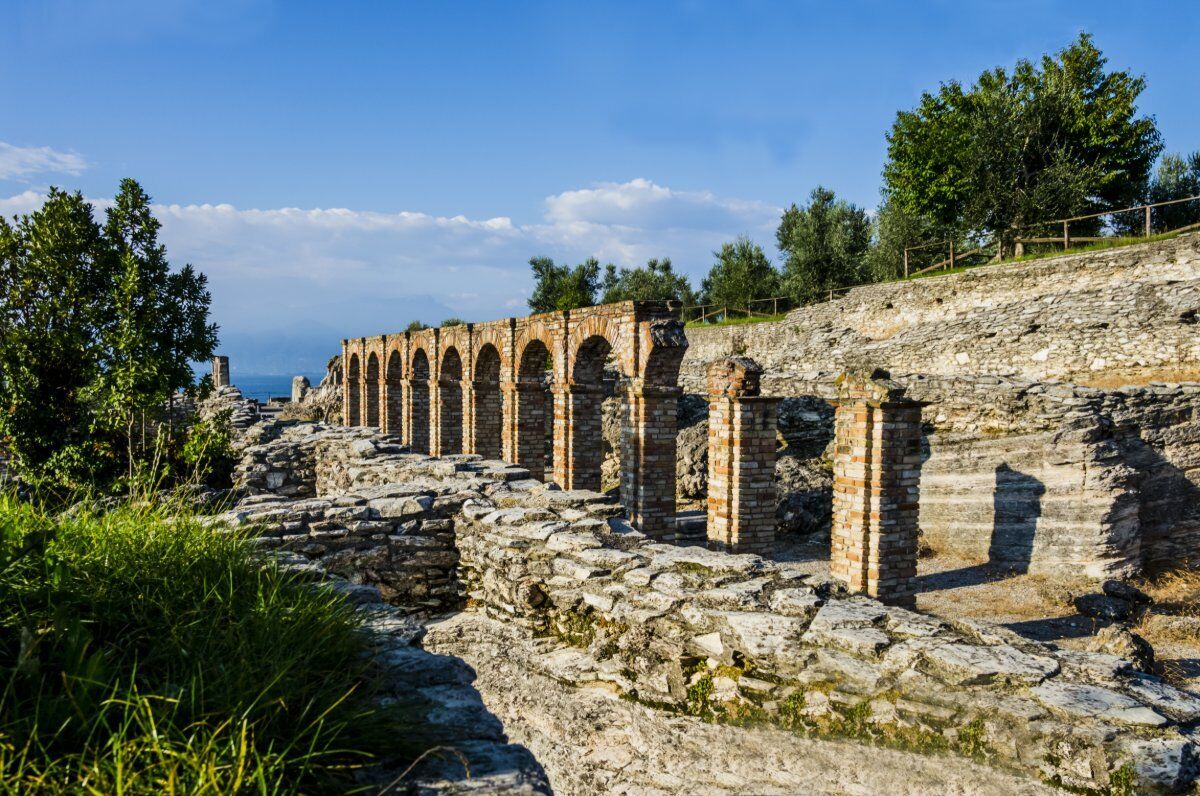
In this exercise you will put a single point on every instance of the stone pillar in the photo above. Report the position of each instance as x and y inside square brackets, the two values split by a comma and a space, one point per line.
[648, 429]
[300, 387]
[220, 371]
[524, 430]
[445, 427]
[876, 472]
[741, 458]
[483, 414]
[578, 442]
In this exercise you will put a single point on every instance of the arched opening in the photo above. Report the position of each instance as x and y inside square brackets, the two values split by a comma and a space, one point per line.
[449, 408]
[372, 384]
[353, 394]
[579, 446]
[534, 425]
[486, 412]
[393, 375]
[418, 403]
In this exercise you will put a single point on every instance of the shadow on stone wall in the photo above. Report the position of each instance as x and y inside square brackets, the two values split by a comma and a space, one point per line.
[1016, 508]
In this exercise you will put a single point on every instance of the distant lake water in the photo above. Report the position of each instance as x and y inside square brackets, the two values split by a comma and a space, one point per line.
[262, 387]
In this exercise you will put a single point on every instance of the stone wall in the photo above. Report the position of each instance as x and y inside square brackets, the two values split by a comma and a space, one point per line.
[731, 638]
[1127, 314]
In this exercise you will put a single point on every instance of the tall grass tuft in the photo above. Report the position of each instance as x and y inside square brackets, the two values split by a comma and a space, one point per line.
[143, 652]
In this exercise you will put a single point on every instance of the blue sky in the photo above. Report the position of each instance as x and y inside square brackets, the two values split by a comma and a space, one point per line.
[341, 168]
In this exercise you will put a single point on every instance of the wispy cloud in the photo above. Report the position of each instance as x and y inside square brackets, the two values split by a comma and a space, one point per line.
[317, 275]
[19, 163]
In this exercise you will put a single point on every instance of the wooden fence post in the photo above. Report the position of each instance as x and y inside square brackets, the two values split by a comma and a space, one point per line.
[906, 263]
[1147, 221]
[951, 261]
[1066, 235]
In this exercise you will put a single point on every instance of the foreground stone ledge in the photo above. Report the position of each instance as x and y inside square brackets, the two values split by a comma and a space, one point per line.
[729, 638]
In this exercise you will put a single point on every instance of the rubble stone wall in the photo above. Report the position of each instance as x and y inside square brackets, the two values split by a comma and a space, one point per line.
[730, 638]
[1127, 313]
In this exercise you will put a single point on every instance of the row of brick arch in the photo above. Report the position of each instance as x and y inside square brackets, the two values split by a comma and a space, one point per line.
[482, 389]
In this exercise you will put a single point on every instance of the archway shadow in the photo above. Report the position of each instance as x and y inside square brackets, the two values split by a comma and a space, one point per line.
[1016, 509]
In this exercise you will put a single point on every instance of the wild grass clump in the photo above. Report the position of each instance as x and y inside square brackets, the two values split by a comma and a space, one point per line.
[142, 652]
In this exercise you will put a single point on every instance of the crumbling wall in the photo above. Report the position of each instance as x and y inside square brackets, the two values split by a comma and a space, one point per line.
[730, 638]
[1125, 315]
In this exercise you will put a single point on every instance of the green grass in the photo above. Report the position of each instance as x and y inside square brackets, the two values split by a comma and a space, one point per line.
[736, 321]
[1101, 245]
[141, 653]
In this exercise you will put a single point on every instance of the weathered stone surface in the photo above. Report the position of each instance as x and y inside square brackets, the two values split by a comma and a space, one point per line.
[1093, 701]
[964, 664]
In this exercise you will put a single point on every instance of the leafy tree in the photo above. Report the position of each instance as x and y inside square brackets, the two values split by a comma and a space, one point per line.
[892, 230]
[825, 244]
[561, 287]
[657, 281]
[55, 275]
[1049, 140]
[453, 322]
[415, 326]
[156, 323]
[741, 274]
[96, 330]
[1177, 177]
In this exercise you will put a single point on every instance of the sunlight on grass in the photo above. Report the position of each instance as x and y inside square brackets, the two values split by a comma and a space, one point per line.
[146, 653]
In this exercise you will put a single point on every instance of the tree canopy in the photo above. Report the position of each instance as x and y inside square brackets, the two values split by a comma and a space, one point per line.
[1055, 139]
[825, 243]
[97, 328]
[741, 274]
[1177, 177]
[562, 287]
[657, 281]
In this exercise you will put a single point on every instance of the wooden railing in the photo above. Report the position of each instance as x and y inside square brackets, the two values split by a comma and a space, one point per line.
[991, 251]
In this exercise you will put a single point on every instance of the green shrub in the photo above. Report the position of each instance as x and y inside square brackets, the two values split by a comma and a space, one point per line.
[141, 653]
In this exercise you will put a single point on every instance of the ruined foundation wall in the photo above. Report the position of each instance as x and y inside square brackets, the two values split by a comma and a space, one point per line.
[1052, 478]
[732, 638]
[1128, 314]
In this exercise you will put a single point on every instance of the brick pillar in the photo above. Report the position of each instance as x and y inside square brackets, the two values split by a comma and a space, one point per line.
[578, 443]
[416, 414]
[524, 430]
[876, 472]
[741, 458]
[648, 429]
[220, 374]
[483, 414]
[446, 434]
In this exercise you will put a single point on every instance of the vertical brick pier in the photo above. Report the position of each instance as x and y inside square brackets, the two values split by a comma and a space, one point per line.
[648, 428]
[876, 473]
[741, 458]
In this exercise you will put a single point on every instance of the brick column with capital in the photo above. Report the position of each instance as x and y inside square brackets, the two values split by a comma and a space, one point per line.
[741, 458]
[648, 429]
[876, 474]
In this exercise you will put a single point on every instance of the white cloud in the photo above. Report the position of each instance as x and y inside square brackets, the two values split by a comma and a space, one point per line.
[283, 279]
[18, 163]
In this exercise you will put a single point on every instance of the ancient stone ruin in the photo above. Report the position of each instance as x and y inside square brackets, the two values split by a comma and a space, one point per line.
[971, 414]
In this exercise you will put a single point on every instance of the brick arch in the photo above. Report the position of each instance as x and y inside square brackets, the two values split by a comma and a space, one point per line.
[418, 400]
[586, 329]
[489, 335]
[371, 383]
[353, 391]
[531, 358]
[450, 364]
[483, 414]
[393, 377]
